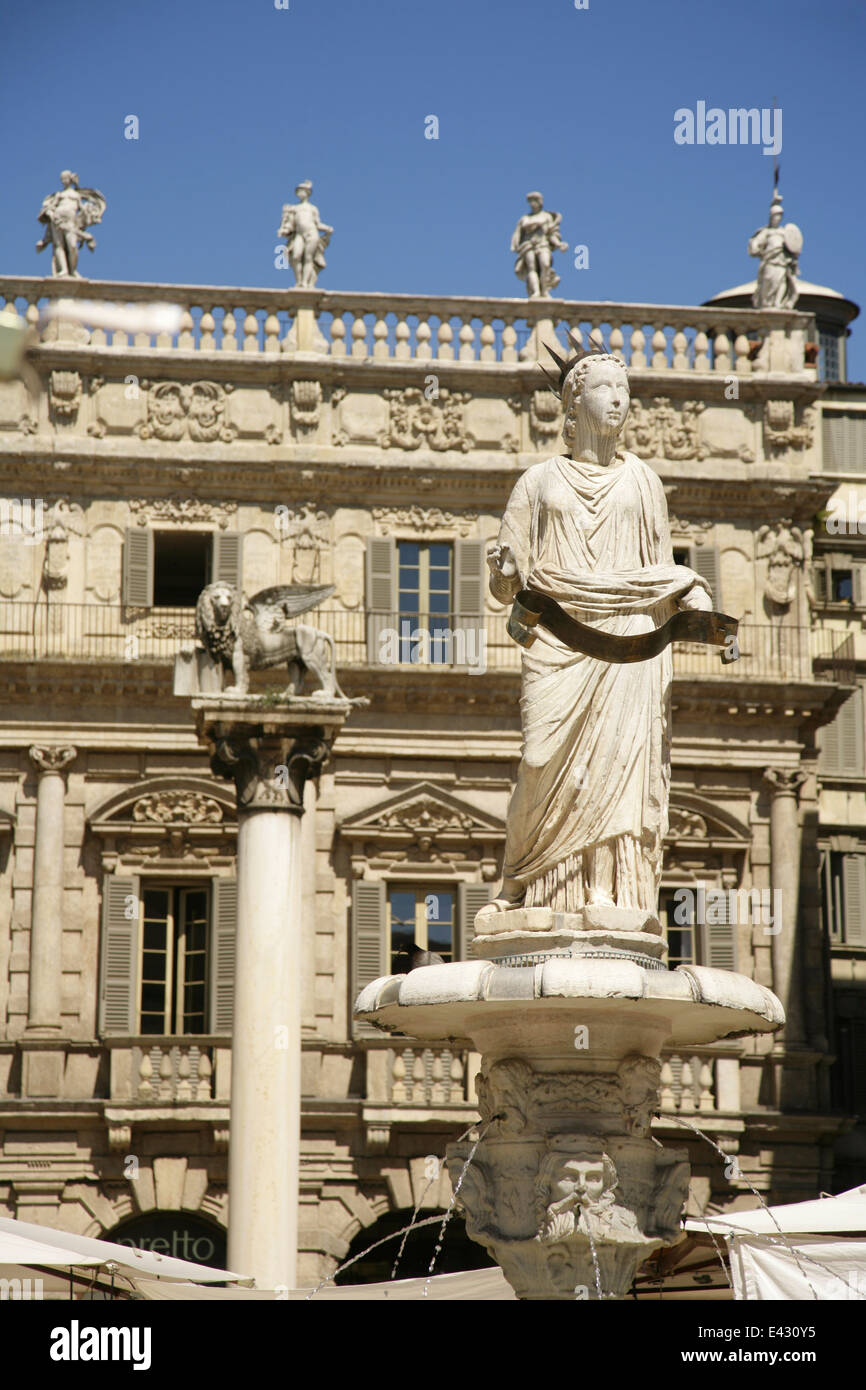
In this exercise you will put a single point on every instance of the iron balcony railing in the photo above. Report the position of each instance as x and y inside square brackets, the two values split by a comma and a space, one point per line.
[92, 632]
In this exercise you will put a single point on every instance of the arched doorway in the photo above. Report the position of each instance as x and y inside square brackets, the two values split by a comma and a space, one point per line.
[458, 1251]
[180, 1234]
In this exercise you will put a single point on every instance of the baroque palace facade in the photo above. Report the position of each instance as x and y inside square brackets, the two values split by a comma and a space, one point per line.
[370, 442]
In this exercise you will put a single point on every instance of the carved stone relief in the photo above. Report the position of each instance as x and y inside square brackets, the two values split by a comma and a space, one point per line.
[152, 510]
[64, 394]
[423, 519]
[787, 426]
[415, 422]
[661, 430]
[186, 410]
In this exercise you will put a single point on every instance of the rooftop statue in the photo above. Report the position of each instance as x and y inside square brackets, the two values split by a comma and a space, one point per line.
[536, 237]
[778, 245]
[67, 215]
[587, 534]
[306, 236]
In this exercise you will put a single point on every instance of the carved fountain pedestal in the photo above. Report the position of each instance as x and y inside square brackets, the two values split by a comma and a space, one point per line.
[570, 1011]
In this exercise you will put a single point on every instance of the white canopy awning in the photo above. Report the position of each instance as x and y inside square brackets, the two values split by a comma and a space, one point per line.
[474, 1285]
[842, 1214]
[24, 1243]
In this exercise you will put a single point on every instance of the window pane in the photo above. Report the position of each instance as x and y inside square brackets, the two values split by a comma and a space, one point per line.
[681, 948]
[440, 922]
[402, 903]
[843, 587]
[440, 557]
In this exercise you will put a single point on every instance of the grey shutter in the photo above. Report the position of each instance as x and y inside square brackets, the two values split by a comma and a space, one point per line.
[370, 955]
[224, 922]
[118, 990]
[854, 890]
[857, 585]
[850, 733]
[381, 592]
[705, 562]
[821, 576]
[828, 744]
[226, 558]
[719, 938]
[844, 439]
[470, 582]
[471, 897]
[138, 567]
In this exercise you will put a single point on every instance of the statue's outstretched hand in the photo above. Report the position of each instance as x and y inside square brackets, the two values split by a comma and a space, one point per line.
[502, 561]
[697, 598]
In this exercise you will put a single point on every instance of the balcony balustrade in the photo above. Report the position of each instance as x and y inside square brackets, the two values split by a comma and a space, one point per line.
[375, 328]
[113, 633]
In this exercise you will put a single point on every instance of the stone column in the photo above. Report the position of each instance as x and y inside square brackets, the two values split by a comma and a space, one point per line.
[784, 785]
[46, 917]
[269, 753]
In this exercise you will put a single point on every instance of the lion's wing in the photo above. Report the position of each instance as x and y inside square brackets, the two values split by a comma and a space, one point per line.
[288, 600]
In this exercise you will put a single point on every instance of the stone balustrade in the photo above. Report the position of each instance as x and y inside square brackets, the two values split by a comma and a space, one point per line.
[165, 1070]
[702, 1081]
[429, 1076]
[453, 330]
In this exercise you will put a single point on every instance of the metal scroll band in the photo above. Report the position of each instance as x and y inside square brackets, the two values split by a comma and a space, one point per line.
[531, 608]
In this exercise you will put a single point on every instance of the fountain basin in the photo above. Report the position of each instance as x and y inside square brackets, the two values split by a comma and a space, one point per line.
[470, 999]
[566, 1187]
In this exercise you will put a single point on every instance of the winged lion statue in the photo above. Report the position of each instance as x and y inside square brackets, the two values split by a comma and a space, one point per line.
[248, 634]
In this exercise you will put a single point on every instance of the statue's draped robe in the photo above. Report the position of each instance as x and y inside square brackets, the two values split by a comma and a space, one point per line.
[596, 754]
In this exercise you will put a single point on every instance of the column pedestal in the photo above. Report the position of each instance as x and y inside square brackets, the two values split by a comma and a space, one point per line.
[269, 752]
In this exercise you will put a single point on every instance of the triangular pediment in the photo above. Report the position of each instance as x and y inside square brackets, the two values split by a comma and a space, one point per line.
[423, 809]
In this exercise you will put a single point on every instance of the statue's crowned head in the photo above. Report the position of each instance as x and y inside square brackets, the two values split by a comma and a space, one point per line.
[304, 189]
[596, 385]
[67, 177]
[535, 201]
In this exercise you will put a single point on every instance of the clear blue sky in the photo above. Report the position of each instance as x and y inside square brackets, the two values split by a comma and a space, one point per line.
[239, 101]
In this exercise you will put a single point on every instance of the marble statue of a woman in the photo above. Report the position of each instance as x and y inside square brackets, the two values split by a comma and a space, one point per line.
[590, 528]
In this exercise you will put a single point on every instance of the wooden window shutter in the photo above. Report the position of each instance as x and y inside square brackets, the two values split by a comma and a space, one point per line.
[224, 923]
[137, 583]
[226, 558]
[854, 888]
[849, 723]
[719, 937]
[118, 991]
[705, 562]
[370, 955]
[381, 595]
[470, 583]
[471, 897]
[821, 577]
[844, 439]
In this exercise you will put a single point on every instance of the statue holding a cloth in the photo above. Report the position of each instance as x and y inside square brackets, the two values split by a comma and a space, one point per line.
[587, 534]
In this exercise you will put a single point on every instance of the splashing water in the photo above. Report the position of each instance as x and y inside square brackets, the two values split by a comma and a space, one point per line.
[329, 1278]
[449, 1213]
[783, 1239]
[585, 1213]
[420, 1201]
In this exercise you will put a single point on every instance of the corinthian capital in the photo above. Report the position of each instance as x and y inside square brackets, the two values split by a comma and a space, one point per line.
[52, 758]
[784, 781]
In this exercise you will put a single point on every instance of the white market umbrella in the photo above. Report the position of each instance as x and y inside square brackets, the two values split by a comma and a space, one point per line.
[25, 1243]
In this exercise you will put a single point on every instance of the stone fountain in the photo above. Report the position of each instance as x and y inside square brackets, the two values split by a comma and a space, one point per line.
[570, 1000]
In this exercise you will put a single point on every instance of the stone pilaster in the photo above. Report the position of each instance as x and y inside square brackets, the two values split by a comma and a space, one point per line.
[784, 787]
[46, 918]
